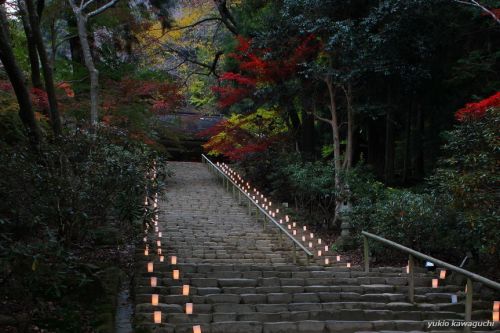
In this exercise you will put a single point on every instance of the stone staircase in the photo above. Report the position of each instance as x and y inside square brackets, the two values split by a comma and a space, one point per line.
[241, 278]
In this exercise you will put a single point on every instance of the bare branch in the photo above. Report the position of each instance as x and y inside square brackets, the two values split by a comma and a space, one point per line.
[476, 4]
[103, 8]
[208, 19]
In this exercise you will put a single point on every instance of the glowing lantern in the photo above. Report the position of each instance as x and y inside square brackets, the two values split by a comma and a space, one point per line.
[146, 252]
[173, 260]
[175, 274]
[150, 267]
[338, 258]
[277, 210]
[289, 227]
[496, 316]
[442, 274]
[154, 299]
[319, 253]
[294, 232]
[435, 283]
[496, 306]
[157, 229]
[311, 235]
[348, 265]
[327, 261]
[154, 281]
[157, 317]
[303, 238]
[160, 234]
[305, 228]
[310, 244]
[185, 290]
[281, 221]
[287, 219]
[189, 308]
[407, 269]
[159, 251]
[326, 248]
[158, 243]
[294, 224]
[162, 258]
[319, 241]
[197, 329]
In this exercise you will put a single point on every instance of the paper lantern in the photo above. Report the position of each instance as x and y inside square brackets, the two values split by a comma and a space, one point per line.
[442, 274]
[158, 243]
[154, 281]
[310, 244]
[160, 234]
[289, 227]
[326, 248]
[270, 203]
[157, 317]
[277, 210]
[145, 239]
[157, 229]
[154, 299]
[185, 290]
[150, 267]
[305, 228]
[327, 261]
[303, 238]
[294, 232]
[173, 260]
[348, 265]
[496, 306]
[175, 274]
[162, 258]
[294, 224]
[281, 221]
[146, 252]
[407, 269]
[338, 258]
[319, 241]
[311, 235]
[189, 308]
[287, 219]
[435, 283]
[274, 215]
[496, 316]
[159, 251]
[197, 329]
[319, 253]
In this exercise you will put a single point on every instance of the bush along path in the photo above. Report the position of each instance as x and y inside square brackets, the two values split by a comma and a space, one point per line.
[209, 266]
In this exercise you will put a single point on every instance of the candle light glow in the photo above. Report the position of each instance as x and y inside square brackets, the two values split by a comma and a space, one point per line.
[435, 283]
[175, 274]
[185, 290]
[157, 317]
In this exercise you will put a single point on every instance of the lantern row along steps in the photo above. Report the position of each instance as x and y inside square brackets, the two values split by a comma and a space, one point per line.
[232, 275]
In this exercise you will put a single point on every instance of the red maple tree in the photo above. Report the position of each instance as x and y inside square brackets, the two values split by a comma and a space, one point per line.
[257, 67]
[473, 111]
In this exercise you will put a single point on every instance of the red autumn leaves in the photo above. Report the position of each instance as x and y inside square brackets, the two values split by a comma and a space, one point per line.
[473, 111]
[256, 68]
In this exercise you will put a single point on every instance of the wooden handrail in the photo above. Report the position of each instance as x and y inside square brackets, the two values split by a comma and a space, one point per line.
[267, 216]
[411, 282]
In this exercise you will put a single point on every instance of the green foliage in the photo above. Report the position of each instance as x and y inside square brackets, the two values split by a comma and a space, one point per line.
[85, 191]
[467, 177]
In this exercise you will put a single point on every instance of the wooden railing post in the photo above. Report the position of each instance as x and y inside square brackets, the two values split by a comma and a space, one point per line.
[411, 279]
[366, 254]
[468, 304]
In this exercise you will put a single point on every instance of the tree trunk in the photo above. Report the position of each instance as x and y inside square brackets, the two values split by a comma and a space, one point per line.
[389, 142]
[407, 153]
[349, 152]
[81, 21]
[47, 69]
[18, 83]
[418, 162]
[32, 52]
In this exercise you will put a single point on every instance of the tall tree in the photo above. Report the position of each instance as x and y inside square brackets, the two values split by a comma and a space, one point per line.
[82, 17]
[46, 66]
[32, 52]
[17, 80]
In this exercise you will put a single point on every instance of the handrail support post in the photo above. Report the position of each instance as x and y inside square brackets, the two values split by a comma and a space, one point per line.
[468, 304]
[366, 254]
[411, 279]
